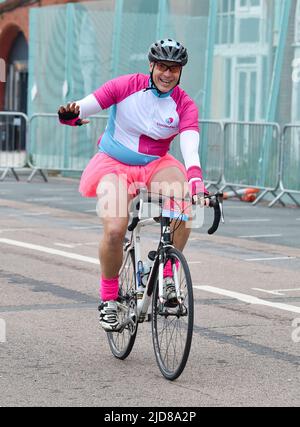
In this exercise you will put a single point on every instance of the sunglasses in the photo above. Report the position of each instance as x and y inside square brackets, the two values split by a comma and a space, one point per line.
[163, 67]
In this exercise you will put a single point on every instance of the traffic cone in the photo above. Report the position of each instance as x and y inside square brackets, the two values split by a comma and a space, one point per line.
[246, 194]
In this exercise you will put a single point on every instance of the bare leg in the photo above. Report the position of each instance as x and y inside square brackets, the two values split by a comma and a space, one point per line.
[172, 182]
[113, 210]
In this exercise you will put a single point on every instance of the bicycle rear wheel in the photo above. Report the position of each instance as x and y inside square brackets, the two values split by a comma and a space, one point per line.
[172, 328]
[121, 343]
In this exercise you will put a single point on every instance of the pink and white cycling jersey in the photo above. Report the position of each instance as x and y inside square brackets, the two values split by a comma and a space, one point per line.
[142, 123]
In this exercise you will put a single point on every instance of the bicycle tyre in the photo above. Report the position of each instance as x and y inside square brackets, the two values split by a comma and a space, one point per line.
[121, 343]
[162, 326]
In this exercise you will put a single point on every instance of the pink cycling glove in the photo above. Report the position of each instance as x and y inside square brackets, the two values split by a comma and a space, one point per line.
[69, 118]
[195, 180]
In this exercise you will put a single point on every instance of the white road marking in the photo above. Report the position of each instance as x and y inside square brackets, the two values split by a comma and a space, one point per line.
[258, 236]
[76, 245]
[3, 230]
[279, 292]
[54, 190]
[50, 251]
[17, 215]
[44, 199]
[249, 299]
[87, 227]
[235, 221]
[65, 245]
[75, 202]
[237, 207]
[35, 213]
[270, 259]
[236, 295]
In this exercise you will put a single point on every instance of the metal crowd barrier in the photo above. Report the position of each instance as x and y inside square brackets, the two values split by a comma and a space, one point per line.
[13, 137]
[233, 154]
[251, 156]
[289, 172]
[61, 148]
[211, 151]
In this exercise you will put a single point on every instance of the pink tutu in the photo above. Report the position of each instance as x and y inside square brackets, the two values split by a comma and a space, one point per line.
[101, 164]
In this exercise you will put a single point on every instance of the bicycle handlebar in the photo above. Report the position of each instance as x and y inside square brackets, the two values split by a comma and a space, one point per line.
[215, 202]
[135, 219]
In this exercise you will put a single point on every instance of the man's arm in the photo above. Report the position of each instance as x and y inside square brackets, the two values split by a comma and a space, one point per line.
[75, 113]
[189, 145]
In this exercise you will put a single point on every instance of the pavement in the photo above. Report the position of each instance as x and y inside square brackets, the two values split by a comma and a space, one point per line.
[246, 342]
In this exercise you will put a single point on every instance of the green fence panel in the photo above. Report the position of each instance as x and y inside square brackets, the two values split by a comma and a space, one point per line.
[65, 148]
[291, 159]
[242, 154]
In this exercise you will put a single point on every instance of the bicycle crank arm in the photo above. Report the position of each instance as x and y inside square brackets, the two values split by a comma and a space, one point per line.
[128, 322]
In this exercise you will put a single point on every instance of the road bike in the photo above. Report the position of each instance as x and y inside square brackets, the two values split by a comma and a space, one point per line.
[141, 281]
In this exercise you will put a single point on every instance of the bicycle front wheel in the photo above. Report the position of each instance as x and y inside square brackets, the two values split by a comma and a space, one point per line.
[172, 327]
[121, 343]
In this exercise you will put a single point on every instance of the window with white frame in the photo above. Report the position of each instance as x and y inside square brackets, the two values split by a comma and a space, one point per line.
[240, 21]
[226, 21]
[249, 4]
[249, 17]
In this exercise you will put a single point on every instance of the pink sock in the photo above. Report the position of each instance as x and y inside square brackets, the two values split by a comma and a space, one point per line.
[109, 288]
[168, 272]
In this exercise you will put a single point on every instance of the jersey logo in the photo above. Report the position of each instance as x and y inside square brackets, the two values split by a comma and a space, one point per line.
[169, 121]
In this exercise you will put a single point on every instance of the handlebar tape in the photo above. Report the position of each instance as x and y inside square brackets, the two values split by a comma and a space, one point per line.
[135, 219]
[217, 216]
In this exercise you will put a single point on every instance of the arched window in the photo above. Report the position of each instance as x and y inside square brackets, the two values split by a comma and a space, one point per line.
[17, 75]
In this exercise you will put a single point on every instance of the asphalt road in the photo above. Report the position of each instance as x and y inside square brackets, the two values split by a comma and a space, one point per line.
[246, 343]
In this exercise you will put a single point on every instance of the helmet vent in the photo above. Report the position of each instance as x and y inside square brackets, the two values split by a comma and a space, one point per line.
[168, 50]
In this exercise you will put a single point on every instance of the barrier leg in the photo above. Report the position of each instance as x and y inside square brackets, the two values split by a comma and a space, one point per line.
[211, 184]
[5, 173]
[15, 174]
[33, 173]
[277, 199]
[294, 200]
[260, 197]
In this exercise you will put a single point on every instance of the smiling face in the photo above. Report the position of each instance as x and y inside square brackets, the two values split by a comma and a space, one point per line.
[165, 75]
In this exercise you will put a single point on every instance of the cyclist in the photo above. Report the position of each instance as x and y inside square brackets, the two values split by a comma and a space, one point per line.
[147, 113]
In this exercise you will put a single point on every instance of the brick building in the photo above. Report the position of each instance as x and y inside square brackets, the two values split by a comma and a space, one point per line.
[14, 34]
[245, 45]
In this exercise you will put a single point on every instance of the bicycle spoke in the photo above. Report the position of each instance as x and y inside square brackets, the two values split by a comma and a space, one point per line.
[122, 342]
[172, 327]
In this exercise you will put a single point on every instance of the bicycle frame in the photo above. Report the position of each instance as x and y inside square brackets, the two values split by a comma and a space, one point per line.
[144, 292]
[171, 298]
